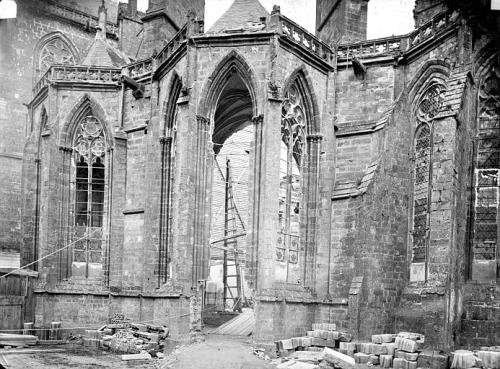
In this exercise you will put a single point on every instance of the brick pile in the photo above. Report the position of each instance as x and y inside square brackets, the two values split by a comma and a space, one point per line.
[128, 338]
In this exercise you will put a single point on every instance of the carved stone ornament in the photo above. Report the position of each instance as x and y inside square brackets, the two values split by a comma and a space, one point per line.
[89, 142]
[430, 103]
[55, 51]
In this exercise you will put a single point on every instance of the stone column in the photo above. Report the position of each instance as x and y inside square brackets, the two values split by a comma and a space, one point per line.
[311, 208]
[201, 173]
[255, 220]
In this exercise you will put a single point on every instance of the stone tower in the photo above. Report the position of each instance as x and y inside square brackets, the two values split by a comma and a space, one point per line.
[163, 19]
[341, 20]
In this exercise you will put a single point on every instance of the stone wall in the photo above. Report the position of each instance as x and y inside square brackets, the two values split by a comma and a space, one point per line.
[341, 21]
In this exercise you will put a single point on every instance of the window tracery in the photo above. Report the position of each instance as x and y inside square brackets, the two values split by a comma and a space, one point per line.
[55, 51]
[427, 109]
[89, 150]
[293, 131]
[484, 250]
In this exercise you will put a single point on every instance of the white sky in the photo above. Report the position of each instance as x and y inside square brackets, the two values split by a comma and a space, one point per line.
[385, 17]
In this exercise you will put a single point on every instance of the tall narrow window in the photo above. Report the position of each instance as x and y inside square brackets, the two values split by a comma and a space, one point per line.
[484, 250]
[293, 134]
[168, 142]
[427, 108]
[421, 196]
[88, 187]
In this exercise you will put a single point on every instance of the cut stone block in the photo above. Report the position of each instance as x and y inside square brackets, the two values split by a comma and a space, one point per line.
[361, 358]
[129, 357]
[391, 347]
[338, 359]
[412, 336]
[410, 356]
[324, 326]
[382, 338]
[432, 360]
[406, 344]
[490, 359]
[345, 337]
[386, 361]
[411, 364]
[378, 349]
[399, 363]
[374, 359]
[464, 359]
[299, 365]
[348, 348]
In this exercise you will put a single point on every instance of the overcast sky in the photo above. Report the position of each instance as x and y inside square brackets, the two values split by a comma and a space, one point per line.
[385, 17]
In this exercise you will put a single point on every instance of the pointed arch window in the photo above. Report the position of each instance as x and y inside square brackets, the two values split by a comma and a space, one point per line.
[292, 157]
[484, 250]
[88, 195]
[54, 49]
[168, 152]
[427, 108]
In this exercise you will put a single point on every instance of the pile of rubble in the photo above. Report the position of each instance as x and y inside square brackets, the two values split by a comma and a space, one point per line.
[128, 338]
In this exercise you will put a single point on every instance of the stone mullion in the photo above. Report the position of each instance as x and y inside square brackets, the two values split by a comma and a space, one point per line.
[312, 206]
[253, 248]
[199, 245]
[107, 216]
[63, 260]
[165, 204]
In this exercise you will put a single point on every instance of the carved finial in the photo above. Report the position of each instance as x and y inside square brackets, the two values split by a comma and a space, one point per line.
[101, 27]
[276, 9]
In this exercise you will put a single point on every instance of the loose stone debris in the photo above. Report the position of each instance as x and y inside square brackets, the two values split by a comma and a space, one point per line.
[326, 347]
[128, 338]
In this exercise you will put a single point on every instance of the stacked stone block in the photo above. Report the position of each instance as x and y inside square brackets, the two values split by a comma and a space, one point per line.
[322, 335]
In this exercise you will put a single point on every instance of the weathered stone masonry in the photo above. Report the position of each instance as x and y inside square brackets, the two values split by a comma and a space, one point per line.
[395, 154]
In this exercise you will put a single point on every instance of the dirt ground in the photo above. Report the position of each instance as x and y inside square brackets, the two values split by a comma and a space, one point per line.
[69, 356]
[217, 352]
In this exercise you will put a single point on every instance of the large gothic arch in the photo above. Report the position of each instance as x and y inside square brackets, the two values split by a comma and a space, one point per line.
[232, 62]
[84, 102]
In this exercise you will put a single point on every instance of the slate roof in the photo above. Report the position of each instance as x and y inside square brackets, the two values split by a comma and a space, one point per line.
[102, 54]
[241, 15]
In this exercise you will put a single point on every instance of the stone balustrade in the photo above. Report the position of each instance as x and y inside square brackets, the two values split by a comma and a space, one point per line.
[140, 68]
[399, 44]
[78, 73]
[295, 33]
[172, 45]
[79, 17]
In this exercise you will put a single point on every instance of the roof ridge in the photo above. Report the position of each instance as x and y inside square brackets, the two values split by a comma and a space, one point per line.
[238, 15]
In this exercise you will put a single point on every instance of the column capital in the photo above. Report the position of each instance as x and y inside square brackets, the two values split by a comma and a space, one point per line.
[65, 148]
[165, 139]
[258, 119]
[202, 120]
[316, 137]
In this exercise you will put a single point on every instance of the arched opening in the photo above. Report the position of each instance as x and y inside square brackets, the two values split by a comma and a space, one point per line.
[233, 148]
[168, 162]
[87, 189]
